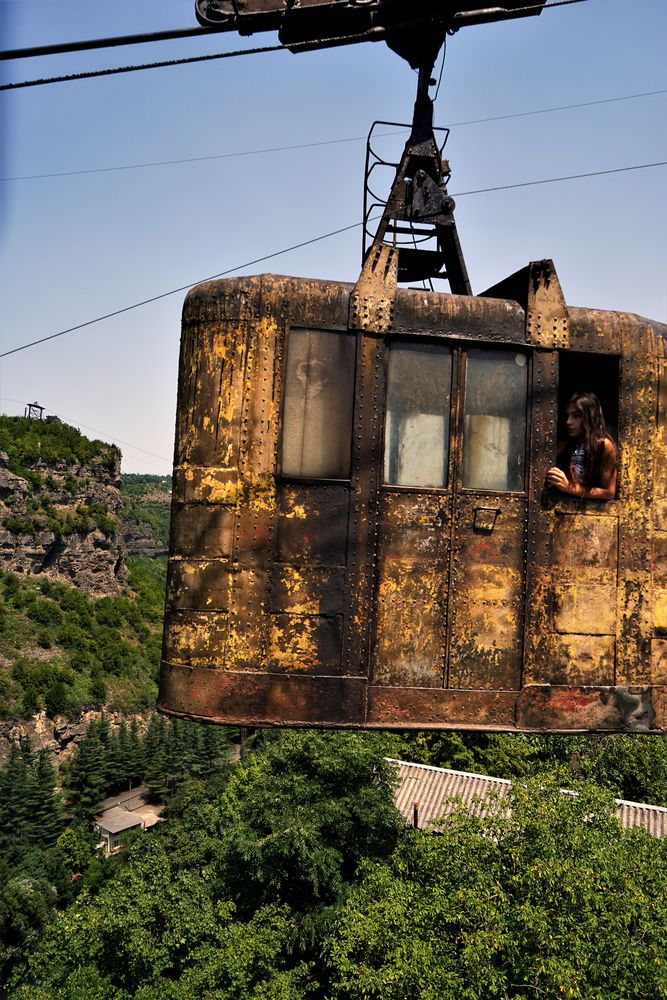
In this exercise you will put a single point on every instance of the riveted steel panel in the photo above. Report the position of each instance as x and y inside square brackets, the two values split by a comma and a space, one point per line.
[596, 330]
[261, 699]
[637, 430]
[486, 593]
[413, 551]
[305, 643]
[585, 607]
[208, 485]
[249, 620]
[660, 558]
[253, 532]
[586, 542]
[411, 708]
[578, 709]
[660, 610]
[366, 465]
[539, 658]
[313, 524]
[660, 514]
[661, 435]
[659, 661]
[307, 590]
[196, 638]
[207, 531]
[424, 313]
[584, 659]
[201, 585]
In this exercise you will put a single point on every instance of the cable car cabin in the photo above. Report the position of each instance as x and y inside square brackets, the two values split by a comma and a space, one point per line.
[361, 531]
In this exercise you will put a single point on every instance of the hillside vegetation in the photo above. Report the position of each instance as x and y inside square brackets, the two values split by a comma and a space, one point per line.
[50, 441]
[59, 481]
[145, 512]
[65, 652]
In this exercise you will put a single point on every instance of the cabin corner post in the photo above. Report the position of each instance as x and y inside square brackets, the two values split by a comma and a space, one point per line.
[548, 329]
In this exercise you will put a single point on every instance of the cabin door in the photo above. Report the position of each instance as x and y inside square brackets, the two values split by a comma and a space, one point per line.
[450, 566]
[487, 575]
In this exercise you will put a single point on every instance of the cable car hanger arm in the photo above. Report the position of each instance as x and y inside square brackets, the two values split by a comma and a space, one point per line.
[318, 22]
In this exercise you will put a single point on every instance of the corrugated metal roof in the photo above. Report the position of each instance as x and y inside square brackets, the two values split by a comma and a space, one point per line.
[432, 787]
[117, 820]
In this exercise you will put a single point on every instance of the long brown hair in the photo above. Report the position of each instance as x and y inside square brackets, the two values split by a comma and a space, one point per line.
[594, 432]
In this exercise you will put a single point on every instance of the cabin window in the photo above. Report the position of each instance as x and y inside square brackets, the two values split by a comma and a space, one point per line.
[416, 437]
[596, 373]
[494, 421]
[319, 400]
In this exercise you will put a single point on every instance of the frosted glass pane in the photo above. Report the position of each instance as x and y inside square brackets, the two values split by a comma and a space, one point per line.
[416, 445]
[319, 400]
[494, 425]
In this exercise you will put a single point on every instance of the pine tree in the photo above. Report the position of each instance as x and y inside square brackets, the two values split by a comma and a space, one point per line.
[87, 774]
[48, 813]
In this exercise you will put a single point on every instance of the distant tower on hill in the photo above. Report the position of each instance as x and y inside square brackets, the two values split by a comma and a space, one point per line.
[34, 411]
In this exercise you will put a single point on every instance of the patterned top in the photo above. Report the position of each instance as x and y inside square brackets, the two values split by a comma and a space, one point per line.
[578, 462]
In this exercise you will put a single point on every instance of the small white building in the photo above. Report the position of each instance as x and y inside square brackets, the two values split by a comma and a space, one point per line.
[124, 812]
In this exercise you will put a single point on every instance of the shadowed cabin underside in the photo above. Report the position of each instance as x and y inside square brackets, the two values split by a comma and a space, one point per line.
[361, 535]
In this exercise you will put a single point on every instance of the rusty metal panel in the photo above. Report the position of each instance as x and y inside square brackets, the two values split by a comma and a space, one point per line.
[417, 708]
[584, 659]
[596, 330]
[660, 558]
[208, 485]
[313, 524]
[200, 585]
[253, 534]
[207, 531]
[660, 610]
[538, 637]
[413, 556]
[366, 464]
[307, 590]
[638, 406]
[660, 514]
[581, 709]
[424, 313]
[215, 335]
[486, 593]
[249, 621]
[585, 607]
[584, 542]
[261, 407]
[547, 316]
[659, 661]
[195, 638]
[305, 643]
[265, 699]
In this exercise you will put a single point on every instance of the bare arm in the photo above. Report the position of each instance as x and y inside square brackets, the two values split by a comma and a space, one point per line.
[608, 474]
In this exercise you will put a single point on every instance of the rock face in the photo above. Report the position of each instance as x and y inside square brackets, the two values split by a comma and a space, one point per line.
[60, 735]
[90, 556]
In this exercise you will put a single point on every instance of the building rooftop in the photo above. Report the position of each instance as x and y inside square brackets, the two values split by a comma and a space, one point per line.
[117, 820]
[433, 788]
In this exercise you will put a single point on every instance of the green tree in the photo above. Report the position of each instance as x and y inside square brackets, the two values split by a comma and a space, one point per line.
[547, 898]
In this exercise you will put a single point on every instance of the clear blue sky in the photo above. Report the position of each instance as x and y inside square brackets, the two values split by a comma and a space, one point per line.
[75, 247]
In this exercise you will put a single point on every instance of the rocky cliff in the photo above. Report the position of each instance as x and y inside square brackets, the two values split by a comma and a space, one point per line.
[58, 515]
